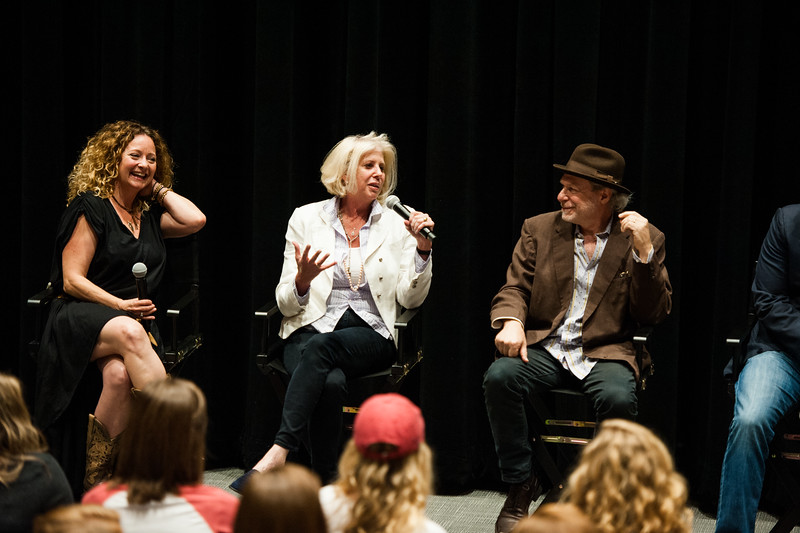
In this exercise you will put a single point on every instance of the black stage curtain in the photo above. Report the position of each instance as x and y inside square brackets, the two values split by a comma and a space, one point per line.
[480, 98]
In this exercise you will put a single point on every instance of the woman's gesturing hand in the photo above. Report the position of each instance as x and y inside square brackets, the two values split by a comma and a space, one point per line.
[308, 266]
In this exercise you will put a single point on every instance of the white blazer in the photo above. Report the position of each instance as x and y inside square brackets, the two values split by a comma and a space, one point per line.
[388, 265]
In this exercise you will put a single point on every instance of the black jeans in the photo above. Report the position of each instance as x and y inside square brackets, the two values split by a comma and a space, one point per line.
[320, 365]
[509, 382]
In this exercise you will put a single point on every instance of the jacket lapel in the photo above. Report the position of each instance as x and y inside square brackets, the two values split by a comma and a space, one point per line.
[563, 253]
[378, 231]
[323, 235]
[615, 251]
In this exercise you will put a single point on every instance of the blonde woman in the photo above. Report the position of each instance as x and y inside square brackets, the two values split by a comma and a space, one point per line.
[348, 262]
[385, 472]
[625, 482]
[31, 481]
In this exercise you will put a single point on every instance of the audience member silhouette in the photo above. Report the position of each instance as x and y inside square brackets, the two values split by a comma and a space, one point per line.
[78, 518]
[385, 472]
[158, 479]
[556, 518]
[625, 482]
[282, 500]
[31, 481]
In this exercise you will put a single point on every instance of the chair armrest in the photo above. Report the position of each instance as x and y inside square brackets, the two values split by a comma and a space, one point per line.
[268, 310]
[737, 338]
[42, 297]
[409, 347]
[736, 343]
[405, 316]
[40, 302]
[641, 338]
[175, 309]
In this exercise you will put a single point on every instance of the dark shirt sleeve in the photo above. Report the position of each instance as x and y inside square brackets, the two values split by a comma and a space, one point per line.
[775, 294]
[41, 486]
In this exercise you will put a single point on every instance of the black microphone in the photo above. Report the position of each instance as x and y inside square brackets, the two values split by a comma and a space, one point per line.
[139, 272]
[393, 202]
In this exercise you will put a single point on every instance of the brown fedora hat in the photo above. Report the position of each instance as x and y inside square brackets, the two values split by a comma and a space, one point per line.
[598, 164]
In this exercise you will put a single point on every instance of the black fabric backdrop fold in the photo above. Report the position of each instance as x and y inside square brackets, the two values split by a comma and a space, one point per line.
[480, 99]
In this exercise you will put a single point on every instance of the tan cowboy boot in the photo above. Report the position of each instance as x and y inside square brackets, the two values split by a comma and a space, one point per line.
[101, 453]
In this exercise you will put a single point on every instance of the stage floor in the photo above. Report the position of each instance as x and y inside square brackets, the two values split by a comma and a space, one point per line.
[476, 512]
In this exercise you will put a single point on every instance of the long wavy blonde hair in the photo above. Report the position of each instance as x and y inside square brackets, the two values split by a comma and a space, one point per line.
[19, 438]
[625, 482]
[390, 496]
[97, 169]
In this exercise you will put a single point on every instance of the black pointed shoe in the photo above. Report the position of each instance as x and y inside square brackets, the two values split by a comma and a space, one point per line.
[238, 483]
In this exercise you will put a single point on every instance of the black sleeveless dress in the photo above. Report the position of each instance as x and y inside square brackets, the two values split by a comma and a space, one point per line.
[73, 325]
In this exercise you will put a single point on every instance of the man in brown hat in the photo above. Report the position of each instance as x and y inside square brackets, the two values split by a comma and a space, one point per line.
[581, 280]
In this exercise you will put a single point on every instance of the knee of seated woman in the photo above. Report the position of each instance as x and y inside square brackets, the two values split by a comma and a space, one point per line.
[116, 375]
[335, 385]
[129, 332]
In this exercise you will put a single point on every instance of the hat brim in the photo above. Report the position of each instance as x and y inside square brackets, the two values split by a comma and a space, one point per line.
[604, 183]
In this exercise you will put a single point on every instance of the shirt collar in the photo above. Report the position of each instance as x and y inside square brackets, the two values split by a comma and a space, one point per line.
[331, 209]
[605, 233]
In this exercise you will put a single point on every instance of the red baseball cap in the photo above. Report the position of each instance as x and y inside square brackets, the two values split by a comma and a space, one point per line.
[388, 419]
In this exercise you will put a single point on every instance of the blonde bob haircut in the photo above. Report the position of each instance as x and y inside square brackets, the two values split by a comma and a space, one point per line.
[97, 169]
[163, 446]
[389, 496]
[18, 436]
[338, 170]
[625, 482]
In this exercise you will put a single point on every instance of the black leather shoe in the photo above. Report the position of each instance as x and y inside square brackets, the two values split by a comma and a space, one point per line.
[238, 483]
[520, 496]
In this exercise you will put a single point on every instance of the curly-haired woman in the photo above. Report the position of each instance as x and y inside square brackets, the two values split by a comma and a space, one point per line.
[625, 481]
[385, 472]
[120, 208]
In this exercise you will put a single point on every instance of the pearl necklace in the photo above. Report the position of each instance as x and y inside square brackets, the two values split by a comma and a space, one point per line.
[348, 262]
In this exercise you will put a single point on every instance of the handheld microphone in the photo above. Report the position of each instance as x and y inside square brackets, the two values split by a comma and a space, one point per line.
[393, 202]
[139, 272]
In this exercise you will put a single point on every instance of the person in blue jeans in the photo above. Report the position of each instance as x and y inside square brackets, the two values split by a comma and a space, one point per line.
[769, 382]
